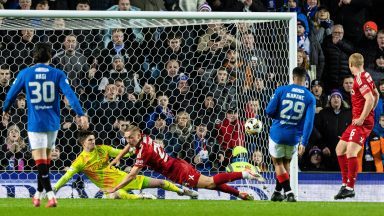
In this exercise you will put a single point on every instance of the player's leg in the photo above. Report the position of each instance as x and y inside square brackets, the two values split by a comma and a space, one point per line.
[51, 140]
[160, 183]
[38, 142]
[277, 153]
[287, 184]
[123, 194]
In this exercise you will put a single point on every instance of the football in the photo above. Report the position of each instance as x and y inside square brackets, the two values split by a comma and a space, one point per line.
[253, 126]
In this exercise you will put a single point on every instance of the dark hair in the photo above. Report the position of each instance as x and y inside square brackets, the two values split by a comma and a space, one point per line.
[4, 67]
[83, 2]
[348, 76]
[42, 53]
[299, 72]
[82, 135]
[381, 82]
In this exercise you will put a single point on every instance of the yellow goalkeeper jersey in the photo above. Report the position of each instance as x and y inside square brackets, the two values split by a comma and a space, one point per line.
[95, 165]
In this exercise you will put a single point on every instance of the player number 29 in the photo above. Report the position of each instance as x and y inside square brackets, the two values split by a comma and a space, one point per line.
[297, 108]
[42, 91]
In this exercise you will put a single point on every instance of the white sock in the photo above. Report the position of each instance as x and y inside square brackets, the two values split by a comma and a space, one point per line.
[38, 195]
[51, 195]
[245, 174]
[349, 188]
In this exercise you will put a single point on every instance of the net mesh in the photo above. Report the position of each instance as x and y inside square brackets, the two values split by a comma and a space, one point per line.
[179, 80]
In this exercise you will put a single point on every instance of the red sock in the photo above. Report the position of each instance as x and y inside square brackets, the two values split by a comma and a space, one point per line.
[343, 163]
[352, 171]
[228, 189]
[40, 161]
[282, 178]
[222, 178]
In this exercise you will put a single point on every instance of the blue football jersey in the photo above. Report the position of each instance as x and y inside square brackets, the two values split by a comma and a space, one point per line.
[43, 85]
[292, 108]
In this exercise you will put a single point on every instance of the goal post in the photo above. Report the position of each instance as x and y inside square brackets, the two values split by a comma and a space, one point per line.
[191, 60]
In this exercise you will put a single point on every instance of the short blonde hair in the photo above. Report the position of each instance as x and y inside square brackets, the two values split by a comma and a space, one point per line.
[356, 60]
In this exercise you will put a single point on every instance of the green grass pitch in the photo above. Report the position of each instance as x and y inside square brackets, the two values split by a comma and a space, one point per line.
[96, 207]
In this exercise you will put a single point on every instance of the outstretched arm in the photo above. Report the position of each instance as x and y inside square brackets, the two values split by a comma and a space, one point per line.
[116, 161]
[65, 178]
[132, 175]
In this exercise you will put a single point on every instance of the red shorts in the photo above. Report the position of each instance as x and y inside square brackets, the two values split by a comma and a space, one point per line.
[357, 134]
[183, 173]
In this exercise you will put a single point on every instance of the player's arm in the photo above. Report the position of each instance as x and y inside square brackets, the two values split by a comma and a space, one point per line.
[73, 101]
[123, 152]
[376, 96]
[15, 89]
[68, 175]
[113, 152]
[368, 106]
[272, 107]
[132, 175]
[308, 123]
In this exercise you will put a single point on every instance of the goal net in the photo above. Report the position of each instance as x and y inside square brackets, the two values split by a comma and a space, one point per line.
[190, 80]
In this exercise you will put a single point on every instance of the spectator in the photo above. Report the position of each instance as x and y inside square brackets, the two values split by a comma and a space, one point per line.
[203, 151]
[123, 5]
[147, 97]
[21, 50]
[351, 14]
[160, 126]
[169, 78]
[120, 126]
[184, 5]
[244, 6]
[230, 134]
[20, 115]
[25, 4]
[302, 35]
[331, 123]
[5, 78]
[322, 24]
[376, 144]
[378, 72]
[347, 89]
[207, 109]
[180, 134]
[258, 161]
[42, 5]
[302, 61]
[183, 98]
[119, 45]
[83, 5]
[57, 160]
[164, 107]
[221, 90]
[368, 45]
[103, 110]
[148, 5]
[72, 62]
[16, 156]
[317, 91]
[336, 51]
[315, 160]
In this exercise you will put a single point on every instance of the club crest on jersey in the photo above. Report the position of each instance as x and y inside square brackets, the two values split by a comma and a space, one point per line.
[352, 92]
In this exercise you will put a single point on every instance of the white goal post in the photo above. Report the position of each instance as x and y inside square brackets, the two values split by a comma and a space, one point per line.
[282, 44]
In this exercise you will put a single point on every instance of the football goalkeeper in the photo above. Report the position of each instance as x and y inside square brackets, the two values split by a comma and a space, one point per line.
[93, 162]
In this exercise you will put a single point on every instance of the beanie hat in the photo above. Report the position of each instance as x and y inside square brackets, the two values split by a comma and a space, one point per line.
[370, 24]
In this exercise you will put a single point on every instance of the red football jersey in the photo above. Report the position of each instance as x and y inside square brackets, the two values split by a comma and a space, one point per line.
[153, 155]
[362, 85]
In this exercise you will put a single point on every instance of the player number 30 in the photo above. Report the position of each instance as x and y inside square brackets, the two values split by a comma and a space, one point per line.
[42, 91]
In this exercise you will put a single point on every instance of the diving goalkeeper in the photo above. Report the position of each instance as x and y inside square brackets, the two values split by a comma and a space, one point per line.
[93, 162]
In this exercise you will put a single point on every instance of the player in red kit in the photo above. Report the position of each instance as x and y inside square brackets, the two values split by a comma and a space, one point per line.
[364, 97]
[152, 155]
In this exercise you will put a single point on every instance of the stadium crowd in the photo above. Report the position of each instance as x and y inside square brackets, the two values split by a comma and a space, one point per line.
[193, 87]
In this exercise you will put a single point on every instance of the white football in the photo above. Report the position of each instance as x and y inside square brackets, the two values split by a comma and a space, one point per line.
[253, 126]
